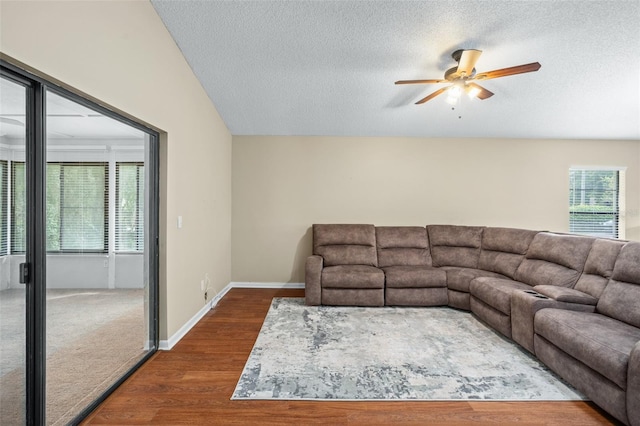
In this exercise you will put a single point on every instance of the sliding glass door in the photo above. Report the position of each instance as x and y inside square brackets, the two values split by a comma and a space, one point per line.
[97, 295]
[79, 219]
[13, 294]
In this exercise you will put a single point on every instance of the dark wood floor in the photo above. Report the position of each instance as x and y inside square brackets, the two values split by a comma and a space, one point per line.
[192, 384]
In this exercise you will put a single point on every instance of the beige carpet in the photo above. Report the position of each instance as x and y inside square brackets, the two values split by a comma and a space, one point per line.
[78, 374]
[82, 367]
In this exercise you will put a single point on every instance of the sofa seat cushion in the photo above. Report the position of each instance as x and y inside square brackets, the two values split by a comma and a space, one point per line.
[604, 344]
[352, 276]
[459, 279]
[414, 277]
[496, 292]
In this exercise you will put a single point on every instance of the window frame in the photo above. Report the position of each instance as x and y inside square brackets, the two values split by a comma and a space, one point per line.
[599, 209]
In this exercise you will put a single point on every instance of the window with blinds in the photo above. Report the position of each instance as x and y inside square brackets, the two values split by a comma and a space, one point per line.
[4, 187]
[594, 202]
[77, 218]
[18, 207]
[78, 203]
[130, 207]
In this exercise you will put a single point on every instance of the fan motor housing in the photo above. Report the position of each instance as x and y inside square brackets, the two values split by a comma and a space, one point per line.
[457, 55]
[451, 75]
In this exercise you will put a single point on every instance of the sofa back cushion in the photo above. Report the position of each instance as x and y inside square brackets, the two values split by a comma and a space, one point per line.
[345, 244]
[554, 259]
[503, 249]
[599, 266]
[621, 297]
[455, 245]
[402, 246]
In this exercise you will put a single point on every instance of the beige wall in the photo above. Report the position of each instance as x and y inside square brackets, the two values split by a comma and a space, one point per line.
[282, 185]
[121, 54]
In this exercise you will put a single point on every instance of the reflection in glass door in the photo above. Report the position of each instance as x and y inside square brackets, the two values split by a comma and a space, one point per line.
[12, 222]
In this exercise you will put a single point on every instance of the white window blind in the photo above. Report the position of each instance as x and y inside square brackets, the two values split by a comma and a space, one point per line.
[18, 208]
[83, 205]
[4, 187]
[594, 202]
[76, 211]
[130, 207]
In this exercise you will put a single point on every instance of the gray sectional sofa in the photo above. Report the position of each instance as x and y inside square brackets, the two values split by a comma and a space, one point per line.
[572, 301]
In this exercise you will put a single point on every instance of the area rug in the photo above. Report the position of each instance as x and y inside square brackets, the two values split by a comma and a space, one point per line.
[355, 353]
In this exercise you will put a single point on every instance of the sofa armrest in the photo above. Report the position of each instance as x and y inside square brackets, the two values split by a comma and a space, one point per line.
[312, 280]
[633, 386]
[524, 306]
[564, 294]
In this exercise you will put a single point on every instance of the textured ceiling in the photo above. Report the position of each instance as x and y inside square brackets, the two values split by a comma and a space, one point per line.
[328, 67]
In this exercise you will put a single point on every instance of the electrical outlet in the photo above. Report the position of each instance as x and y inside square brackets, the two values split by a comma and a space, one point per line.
[202, 287]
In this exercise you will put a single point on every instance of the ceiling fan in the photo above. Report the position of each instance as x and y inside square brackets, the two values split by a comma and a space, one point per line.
[462, 77]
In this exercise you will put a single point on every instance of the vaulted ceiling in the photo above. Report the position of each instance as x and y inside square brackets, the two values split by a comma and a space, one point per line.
[329, 67]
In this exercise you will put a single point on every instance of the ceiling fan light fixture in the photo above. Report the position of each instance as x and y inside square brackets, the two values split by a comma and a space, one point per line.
[472, 91]
[454, 94]
[463, 76]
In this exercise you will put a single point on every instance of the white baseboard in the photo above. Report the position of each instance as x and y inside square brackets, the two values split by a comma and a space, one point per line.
[265, 285]
[166, 345]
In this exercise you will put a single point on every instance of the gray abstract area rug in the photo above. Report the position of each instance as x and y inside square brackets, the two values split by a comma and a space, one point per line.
[355, 353]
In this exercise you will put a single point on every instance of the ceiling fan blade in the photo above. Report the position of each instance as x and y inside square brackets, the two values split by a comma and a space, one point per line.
[420, 81]
[478, 91]
[433, 95]
[504, 72]
[468, 61]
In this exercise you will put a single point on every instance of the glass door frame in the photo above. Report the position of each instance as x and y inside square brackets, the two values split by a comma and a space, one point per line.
[35, 256]
[35, 252]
